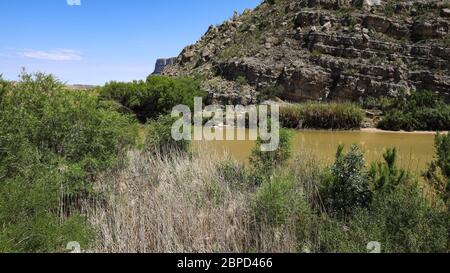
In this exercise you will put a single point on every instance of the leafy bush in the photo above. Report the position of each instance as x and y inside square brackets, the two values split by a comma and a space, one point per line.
[154, 97]
[3, 86]
[270, 92]
[241, 80]
[278, 200]
[269, 160]
[263, 163]
[394, 213]
[347, 187]
[321, 116]
[401, 221]
[422, 110]
[438, 173]
[159, 136]
[408, 223]
[53, 143]
[29, 216]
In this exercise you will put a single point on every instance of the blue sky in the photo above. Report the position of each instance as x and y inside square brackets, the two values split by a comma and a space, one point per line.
[102, 40]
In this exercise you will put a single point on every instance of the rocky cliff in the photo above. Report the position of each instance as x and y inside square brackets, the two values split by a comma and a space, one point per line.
[324, 50]
[161, 64]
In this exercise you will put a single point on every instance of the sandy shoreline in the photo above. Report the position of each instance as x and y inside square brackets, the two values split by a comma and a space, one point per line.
[375, 130]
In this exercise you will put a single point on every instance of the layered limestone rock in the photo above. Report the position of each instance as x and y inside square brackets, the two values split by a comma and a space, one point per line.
[324, 50]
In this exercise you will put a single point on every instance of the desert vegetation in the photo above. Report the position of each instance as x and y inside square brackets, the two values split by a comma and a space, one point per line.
[153, 97]
[74, 168]
[410, 111]
[53, 144]
[180, 202]
[314, 115]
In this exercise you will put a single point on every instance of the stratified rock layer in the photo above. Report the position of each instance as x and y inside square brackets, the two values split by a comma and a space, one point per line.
[324, 50]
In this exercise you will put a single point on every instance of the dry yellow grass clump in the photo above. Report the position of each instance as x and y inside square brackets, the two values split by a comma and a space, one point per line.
[179, 203]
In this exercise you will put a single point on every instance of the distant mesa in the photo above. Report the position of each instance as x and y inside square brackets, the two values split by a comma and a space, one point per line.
[161, 64]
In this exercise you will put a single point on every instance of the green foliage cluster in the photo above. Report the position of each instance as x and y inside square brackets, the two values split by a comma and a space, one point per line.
[154, 97]
[438, 173]
[265, 162]
[385, 175]
[321, 116]
[159, 138]
[382, 203]
[422, 110]
[277, 200]
[270, 92]
[347, 186]
[52, 145]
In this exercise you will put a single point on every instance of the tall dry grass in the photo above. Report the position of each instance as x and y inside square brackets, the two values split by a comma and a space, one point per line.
[312, 115]
[180, 203]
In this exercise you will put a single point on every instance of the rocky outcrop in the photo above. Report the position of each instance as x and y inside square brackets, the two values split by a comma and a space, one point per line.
[325, 50]
[161, 64]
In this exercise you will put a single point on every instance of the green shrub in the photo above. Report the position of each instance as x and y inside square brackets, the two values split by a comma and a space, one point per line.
[385, 176]
[395, 213]
[422, 110]
[401, 221]
[154, 97]
[347, 188]
[29, 216]
[159, 136]
[407, 223]
[329, 235]
[53, 143]
[3, 86]
[269, 160]
[321, 116]
[398, 120]
[241, 80]
[438, 173]
[278, 200]
[263, 163]
[270, 92]
[377, 103]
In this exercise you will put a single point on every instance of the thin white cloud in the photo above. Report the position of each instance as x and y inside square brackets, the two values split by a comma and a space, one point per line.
[73, 2]
[54, 55]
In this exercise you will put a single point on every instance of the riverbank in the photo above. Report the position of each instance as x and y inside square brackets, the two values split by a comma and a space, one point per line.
[376, 130]
[210, 203]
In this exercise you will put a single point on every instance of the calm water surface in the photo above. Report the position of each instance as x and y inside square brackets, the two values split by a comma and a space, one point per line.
[415, 149]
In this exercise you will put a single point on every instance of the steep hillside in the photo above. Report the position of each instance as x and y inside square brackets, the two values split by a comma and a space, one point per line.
[324, 50]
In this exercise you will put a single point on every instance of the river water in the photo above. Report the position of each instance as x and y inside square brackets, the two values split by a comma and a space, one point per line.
[415, 149]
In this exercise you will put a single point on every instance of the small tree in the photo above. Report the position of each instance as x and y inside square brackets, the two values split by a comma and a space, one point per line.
[159, 137]
[347, 187]
[264, 163]
[273, 159]
[438, 173]
[385, 175]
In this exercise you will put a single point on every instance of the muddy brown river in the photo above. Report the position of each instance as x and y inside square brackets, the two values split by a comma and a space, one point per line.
[415, 149]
